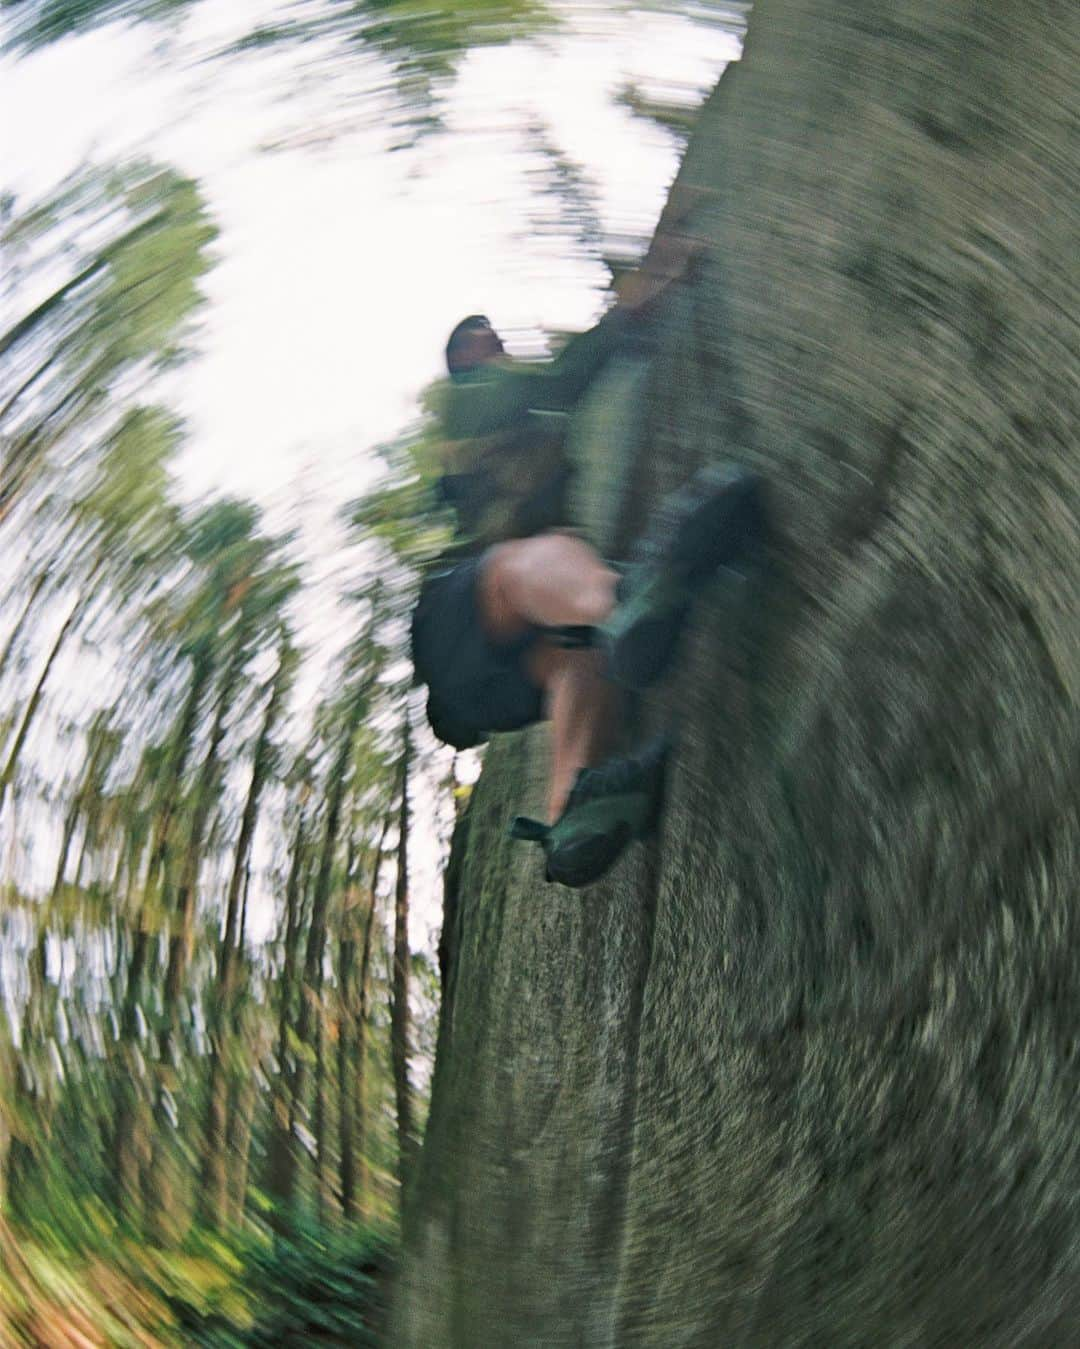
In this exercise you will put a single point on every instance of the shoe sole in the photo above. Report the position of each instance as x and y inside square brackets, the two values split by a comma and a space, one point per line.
[588, 859]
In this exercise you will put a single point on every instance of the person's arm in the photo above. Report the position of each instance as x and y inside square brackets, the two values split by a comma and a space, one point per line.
[501, 397]
[675, 243]
[567, 377]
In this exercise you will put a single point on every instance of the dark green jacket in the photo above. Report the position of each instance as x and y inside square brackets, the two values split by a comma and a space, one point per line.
[505, 427]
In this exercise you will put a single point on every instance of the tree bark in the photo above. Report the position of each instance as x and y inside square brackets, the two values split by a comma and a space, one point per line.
[321, 1117]
[399, 988]
[352, 1048]
[54, 301]
[170, 1215]
[215, 1150]
[83, 804]
[281, 1171]
[161, 847]
[803, 1070]
[241, 1118]
[7, 777]
[346, 1041]
[20, 623]
[311, 978]
[183, 915]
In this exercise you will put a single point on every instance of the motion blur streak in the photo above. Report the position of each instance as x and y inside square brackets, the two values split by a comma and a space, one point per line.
[233, 241]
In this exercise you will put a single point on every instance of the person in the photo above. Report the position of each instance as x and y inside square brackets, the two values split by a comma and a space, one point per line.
[524, 621]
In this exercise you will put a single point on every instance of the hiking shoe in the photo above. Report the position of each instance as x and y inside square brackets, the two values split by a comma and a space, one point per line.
[607, 809]
[716, 520]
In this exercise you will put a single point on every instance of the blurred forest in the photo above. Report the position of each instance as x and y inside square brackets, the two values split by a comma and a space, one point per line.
[171, 1089]
[215, 1040]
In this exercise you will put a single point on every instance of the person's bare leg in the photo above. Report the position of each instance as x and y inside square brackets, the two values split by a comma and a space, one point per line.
[557, 580]
[547, 581]
[584, 709]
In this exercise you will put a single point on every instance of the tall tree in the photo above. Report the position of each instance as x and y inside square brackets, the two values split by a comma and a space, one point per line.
[120, 313]
[343, 725]
[354, 960]
[803, 1070]
[19, 626]
[118, 531]
[132, 1137]
[234, 613]
[103, 742]
[399, 1002]
[216, 1152]
[280, 1160]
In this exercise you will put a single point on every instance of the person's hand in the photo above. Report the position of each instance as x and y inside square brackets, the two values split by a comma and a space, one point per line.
[636, 289]
[667, 262]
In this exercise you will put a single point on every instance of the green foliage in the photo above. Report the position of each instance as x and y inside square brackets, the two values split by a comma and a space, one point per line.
[431, 37]
[247, 1292]
[428, 39]
[241, 578]
[132, 244]
[316, 1288]
[421, 44]
[566, 202]
[39, 22]
[677, 118]
[124, 514]
[403, 511]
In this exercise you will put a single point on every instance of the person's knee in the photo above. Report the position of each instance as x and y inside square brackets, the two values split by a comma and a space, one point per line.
[497, 586]
[550, 580]
[507, 569]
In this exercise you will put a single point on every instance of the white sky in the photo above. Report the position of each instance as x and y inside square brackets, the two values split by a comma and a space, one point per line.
[342, 266]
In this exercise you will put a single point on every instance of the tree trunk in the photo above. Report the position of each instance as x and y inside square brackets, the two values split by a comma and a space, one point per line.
[310, 1005]
[71, 819]
[244, 1092]
[214, 1193]
[170, 1190]
[55, 301]
[399, 986]
[281, 1160]
[159, 864]
[348, 1127]
[28, 608]
[321, 1120]
[84, 801]
[346, 1043]
[205, 794]
[363, 1169]
[7, 777]
[130, 1091]
[352, 1049]
[803, 1070]
[241, 1118]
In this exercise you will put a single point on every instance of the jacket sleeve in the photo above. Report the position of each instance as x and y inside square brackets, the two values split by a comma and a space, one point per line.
[503, 400]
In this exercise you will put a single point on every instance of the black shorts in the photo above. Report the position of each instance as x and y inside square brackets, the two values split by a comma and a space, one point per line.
[475, 686]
